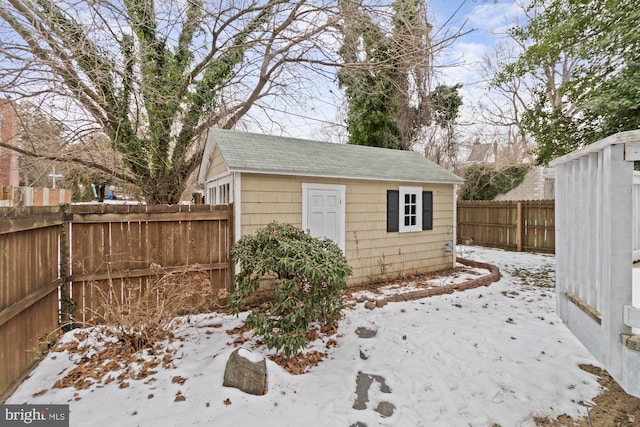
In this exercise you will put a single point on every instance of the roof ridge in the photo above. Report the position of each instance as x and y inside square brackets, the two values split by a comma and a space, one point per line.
[264, 153]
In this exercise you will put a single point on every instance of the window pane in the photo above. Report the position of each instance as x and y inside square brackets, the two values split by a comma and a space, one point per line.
[410, 208]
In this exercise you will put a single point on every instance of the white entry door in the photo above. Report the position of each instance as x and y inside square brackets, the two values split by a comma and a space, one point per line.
[323, 211]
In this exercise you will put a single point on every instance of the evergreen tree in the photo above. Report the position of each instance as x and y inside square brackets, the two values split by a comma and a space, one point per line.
[385, 76]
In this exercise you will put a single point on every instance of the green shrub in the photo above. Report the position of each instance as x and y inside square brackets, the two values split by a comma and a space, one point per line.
[485, 182]
[310, 274]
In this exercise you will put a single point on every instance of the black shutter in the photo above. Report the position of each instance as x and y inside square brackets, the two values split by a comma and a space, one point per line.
[427, 210]
[393, 210]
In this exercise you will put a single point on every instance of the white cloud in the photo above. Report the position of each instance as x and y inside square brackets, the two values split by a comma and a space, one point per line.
[496, 18]
[460, 63]
[464, 60]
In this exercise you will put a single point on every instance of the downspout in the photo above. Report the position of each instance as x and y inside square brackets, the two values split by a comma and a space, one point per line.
[454, 226]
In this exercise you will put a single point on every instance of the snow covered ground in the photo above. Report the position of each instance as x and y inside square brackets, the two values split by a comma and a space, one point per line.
[496, 355]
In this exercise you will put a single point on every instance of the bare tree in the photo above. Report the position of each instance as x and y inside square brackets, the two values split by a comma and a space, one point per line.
[154, 75]
[504, 106]
[512, 94]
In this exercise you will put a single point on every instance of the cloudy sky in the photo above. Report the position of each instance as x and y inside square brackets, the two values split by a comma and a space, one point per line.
[463, 61]
[487, 21]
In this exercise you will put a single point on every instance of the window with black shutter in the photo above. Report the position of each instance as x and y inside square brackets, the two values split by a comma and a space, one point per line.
[409, 209]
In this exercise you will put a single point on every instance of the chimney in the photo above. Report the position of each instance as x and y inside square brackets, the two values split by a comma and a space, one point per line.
[9, 175]
[495, 153]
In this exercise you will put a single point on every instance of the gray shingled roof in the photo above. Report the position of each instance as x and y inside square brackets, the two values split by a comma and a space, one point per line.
[250, 152]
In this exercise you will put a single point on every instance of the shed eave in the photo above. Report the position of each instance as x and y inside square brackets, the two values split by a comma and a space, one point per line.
[335, 176]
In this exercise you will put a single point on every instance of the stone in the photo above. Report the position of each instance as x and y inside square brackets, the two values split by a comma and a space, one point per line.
[363, 332]
[370, 305]
[385, 409]
[246, 372]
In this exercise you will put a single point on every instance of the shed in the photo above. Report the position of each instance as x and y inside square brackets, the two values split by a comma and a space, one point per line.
[391, 212]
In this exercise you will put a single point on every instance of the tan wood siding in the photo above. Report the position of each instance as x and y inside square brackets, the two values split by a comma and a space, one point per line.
[217, 167]
[268, 198]
[373, 253]
[377, 255]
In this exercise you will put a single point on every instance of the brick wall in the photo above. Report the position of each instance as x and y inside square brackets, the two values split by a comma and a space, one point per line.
[8, 135]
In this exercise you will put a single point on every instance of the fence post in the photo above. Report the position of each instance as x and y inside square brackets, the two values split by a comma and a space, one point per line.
[66, 303]
[616, 256]
[519, 227]
[230, 241]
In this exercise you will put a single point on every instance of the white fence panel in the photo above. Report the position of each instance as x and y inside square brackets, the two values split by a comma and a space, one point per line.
[597, 239]
[635, 197]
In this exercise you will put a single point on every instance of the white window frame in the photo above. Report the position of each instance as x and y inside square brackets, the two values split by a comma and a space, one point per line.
[402, 209]
[220, 191]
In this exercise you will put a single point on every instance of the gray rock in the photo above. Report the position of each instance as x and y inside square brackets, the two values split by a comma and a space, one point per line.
[363, 332]
[246, 375]
[385, 409]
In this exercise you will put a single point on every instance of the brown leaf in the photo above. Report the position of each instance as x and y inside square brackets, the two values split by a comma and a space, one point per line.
[227, 401]
[178, 379]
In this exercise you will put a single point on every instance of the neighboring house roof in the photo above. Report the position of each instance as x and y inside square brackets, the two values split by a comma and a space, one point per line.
[250, 152]
[534, 186]
[480, 153]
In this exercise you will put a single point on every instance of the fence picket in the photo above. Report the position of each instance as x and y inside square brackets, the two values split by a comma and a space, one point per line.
[497, 224]
[95, 246]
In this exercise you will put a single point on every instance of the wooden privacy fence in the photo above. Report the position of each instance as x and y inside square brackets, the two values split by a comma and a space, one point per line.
[33, 196]
[527, 225]
[118, 248]
[55, 259]
[29, 281]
